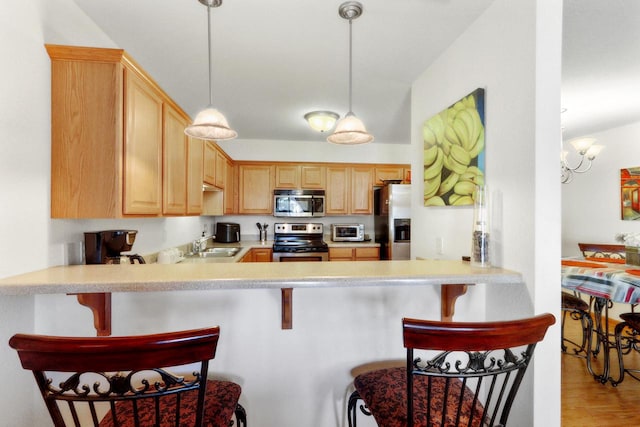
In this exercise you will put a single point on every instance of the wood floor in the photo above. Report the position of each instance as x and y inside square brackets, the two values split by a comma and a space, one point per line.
[586, 402]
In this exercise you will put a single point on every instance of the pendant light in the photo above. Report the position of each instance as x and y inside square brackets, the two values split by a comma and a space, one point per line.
[210, 124]
[350, 129]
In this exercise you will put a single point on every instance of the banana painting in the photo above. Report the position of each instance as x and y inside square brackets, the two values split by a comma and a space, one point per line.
[454, 152]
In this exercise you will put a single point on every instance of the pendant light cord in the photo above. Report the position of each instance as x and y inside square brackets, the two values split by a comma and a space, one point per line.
[210, 54]
[350, 65]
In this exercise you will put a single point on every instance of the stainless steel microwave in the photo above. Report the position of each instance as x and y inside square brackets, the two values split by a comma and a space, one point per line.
[347, 232]
[298, 203]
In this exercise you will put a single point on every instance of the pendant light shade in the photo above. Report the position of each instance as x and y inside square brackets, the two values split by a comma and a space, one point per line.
[350, 130]
[210, 124]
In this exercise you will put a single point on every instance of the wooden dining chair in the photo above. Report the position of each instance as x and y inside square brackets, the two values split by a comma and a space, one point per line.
[147, 380]
[456, 374]
[576, 309]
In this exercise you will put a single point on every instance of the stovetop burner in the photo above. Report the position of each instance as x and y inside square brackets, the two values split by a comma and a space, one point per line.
[299, 237]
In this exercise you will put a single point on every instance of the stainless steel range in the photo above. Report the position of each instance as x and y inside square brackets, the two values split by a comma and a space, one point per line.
[299, 242]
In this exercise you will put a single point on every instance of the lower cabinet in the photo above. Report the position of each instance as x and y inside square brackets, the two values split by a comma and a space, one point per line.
[258, 255]
[354, 254]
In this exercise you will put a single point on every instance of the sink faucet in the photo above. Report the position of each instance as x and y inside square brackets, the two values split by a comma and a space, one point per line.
[199, 245]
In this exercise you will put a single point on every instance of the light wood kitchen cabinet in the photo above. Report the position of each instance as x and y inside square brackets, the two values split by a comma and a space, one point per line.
[214, 165]
[195, 166]
[313, 177]
[142, 147]
[337, 191]
[258, 255]
[354, 253]
[174, 162]
[361, 201]
[389, 172]
[230, 189]
[349, 190]
[255, 188]
[287, 176]
[107, 126]
[294, 176]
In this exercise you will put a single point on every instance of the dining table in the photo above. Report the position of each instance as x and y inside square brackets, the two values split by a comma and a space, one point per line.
[606, 282]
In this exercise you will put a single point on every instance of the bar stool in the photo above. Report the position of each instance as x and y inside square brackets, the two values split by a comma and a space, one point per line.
[625, 343]
[354, 397]
[124, 381]
[448, 388]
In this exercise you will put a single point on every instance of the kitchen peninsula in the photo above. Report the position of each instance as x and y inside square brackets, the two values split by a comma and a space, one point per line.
[95, 283]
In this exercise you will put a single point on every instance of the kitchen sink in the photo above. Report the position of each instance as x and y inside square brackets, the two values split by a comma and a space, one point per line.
[218, 252]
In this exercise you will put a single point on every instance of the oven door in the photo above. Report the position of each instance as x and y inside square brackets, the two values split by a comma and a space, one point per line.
[300, 256]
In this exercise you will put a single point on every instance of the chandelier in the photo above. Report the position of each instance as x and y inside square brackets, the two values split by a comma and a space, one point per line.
[586, 149]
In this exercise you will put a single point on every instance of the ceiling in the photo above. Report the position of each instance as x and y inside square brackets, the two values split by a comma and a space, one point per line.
[601, 65]
[276, 60]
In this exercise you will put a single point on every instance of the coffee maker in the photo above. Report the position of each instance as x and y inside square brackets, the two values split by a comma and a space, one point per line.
[106, 247]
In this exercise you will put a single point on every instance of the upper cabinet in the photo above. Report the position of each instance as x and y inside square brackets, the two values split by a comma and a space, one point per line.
[175, 162]
[361, 201]
[195, 155]
[287, 176]
[215, 165]
[296, 176]
[255, 188]
[313, 176]
[109, 125]
[349, 190]
[392, 172]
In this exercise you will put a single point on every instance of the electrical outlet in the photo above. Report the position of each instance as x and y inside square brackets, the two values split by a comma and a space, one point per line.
[439, 246]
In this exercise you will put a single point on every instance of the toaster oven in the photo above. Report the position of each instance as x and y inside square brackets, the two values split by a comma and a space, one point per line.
[347, 232]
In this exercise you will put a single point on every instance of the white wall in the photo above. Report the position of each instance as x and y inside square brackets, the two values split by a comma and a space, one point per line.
[519, 66]
[591, 202]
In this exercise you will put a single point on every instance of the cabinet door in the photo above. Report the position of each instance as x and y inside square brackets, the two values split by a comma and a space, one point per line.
[287, 176]
[367, 254]
[361, 191]
[388, 172]
[341, 254]
[195, 165]
[210, 162]
[230, 189]
[174, 163]
[255, 187]
[221, 169]
[312, 176]
[142, 148]
[262, 254]
[337, 193]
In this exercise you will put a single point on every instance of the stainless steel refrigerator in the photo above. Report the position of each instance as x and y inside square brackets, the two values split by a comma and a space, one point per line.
[392, 221]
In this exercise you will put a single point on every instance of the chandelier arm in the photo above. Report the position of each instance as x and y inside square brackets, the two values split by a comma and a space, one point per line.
[577, 169]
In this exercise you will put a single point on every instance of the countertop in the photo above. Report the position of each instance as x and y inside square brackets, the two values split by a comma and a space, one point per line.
[231, 275]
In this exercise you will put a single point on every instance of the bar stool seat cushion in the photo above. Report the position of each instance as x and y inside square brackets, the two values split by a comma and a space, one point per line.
[220, 403]
[632, 319]
[384, 392]
[572, 302]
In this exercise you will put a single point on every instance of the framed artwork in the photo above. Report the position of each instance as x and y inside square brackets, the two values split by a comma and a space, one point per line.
[454, 148]
[629, 197]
